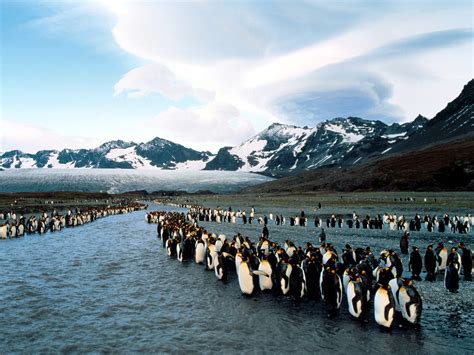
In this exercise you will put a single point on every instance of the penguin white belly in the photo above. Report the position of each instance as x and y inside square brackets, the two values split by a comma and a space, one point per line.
[351, 295]
[321, 283]
[238, 260]
[200, 253]
[211, 259]
[218, 245]
[265, 282]
[376, 273]
[179, 252]
[443, 255]
[394, 288]
[285, 285]
[168, 247]
[245, 279]
[303, 283]
[383, 308]
[345, 279]
[3, 232]
[339, 296]
[218, 271]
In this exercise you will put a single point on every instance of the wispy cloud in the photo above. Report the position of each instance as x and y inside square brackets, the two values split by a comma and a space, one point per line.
[299, 62]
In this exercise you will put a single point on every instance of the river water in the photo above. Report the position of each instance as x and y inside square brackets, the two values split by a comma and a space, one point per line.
[109, 286]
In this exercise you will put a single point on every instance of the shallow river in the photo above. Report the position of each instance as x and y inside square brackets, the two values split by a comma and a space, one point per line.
[109, 286]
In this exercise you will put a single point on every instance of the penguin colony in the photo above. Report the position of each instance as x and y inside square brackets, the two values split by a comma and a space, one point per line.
[18, 226]
[313, 272]
[428, 223]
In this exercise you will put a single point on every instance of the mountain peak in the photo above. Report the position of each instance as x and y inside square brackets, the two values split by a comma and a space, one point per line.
[115, 144]
[420, 119]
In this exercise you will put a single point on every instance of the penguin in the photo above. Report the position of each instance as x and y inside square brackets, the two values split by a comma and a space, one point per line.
[366, 278]
[297, 282]
[331, 289]
[312, 269]
[357, 297]
[348, 256]
[466, 261]
[329, 254]
[171, 247]
[265, 281]
[384, 304]
[284, 272]
[3, 231]
[200, 251]
[346, 277]
[185, 249]
[264, 246]
[415, 264]
[394, 285]
[238, 260]
[221, 266]
[245, 276]
[179, 252]
[21, 230]
[430, 263]
[451, 276]
[410, 302]
[211, 256]
[442, 256]
[220, 242]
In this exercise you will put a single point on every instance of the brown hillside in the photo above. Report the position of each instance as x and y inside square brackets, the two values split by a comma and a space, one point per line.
[445, 167]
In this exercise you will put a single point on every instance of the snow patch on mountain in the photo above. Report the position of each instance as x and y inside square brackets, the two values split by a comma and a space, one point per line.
[53, 162]
[347, 137]
[193, 165]
[129, 155]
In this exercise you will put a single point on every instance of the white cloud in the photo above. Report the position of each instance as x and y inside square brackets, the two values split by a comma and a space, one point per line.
[156, 78]
[32, 137]
[208, 127]
[258, 56]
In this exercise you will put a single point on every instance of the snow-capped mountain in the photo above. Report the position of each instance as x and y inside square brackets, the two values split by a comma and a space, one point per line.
[278, 150]
[345, 142]
[158, 153]
[342, 141]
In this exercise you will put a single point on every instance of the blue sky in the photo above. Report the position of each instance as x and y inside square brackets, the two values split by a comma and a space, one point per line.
[207, 74]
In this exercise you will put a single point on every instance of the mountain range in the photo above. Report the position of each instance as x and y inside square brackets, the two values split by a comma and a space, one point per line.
[279, 150]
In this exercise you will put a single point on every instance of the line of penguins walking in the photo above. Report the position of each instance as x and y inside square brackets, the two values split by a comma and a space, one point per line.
[456, 224]
[313, 272]
[18, 226]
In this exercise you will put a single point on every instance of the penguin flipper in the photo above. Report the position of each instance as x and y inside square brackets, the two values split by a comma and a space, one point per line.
[260, 272]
